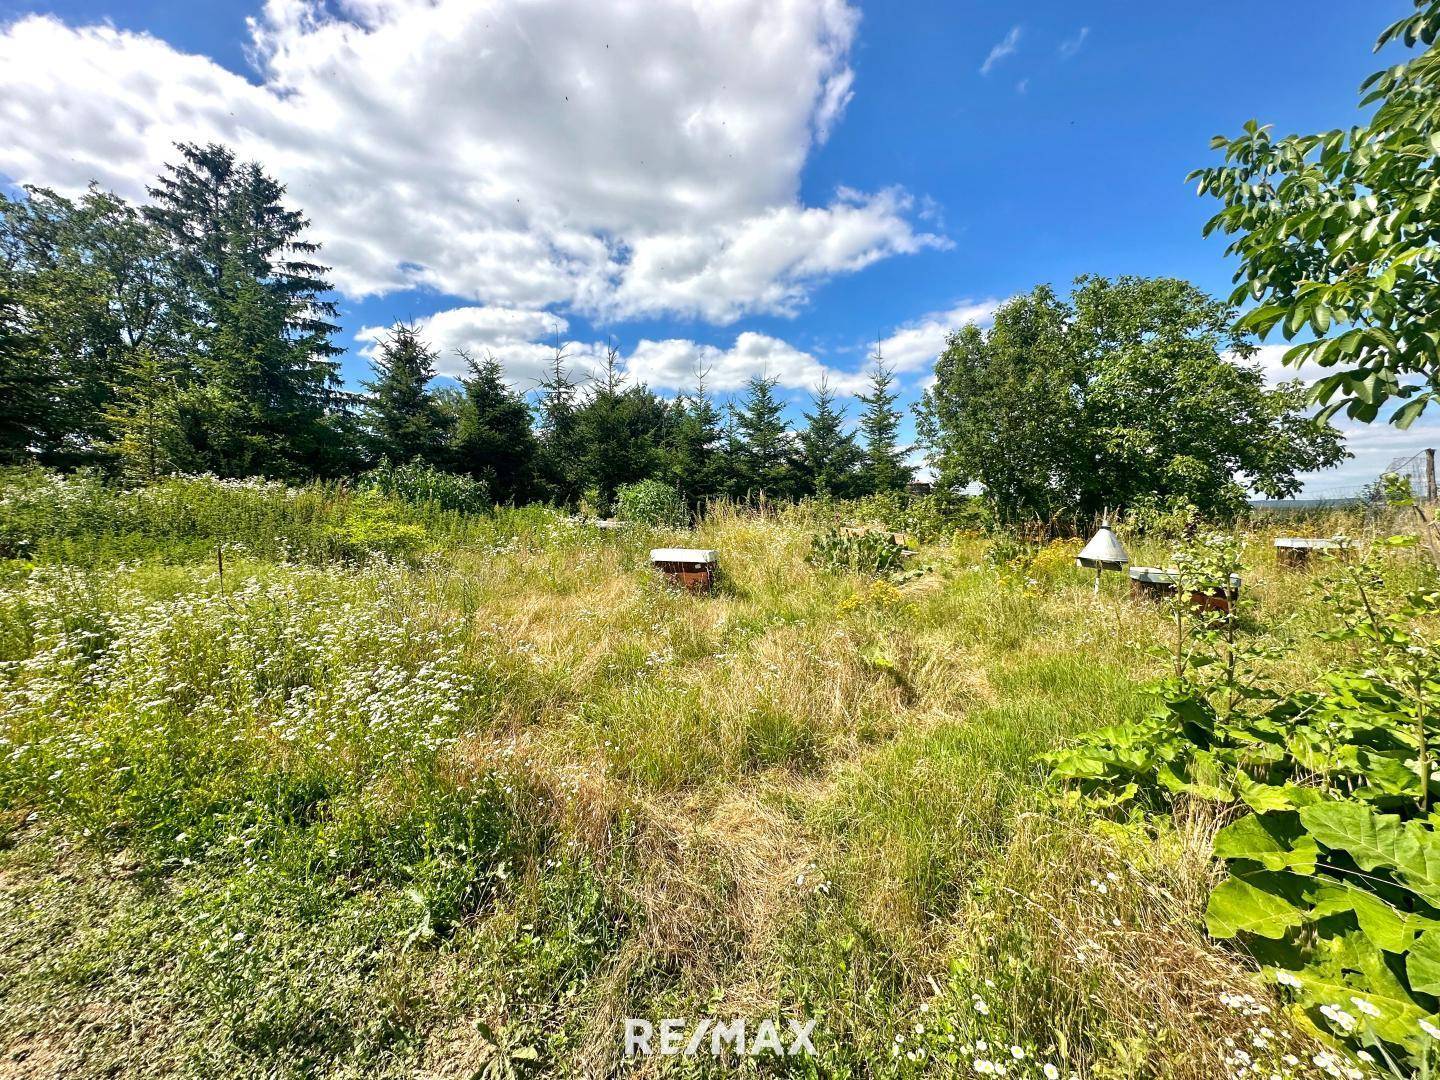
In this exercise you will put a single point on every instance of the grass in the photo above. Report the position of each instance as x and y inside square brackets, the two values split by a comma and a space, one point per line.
[390, 792]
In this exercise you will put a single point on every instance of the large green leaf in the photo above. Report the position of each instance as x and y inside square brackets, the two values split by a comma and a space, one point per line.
[1275, 841]
[1379, 842]
[1237, 906]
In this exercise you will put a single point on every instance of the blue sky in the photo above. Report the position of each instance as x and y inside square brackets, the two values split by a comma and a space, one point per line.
[743, 185]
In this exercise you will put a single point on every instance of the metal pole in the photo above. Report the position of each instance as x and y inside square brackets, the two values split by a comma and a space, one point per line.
[1430, 495]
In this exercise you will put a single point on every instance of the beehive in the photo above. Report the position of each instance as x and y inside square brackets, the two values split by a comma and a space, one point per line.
[1295, 551]
[689, 568]
[1153, 583]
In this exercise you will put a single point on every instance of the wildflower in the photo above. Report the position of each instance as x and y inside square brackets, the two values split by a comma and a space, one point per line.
[1365, 1007]
[1051, 1072]
[1018, 1053]
[983, 1067]
[982, 1008]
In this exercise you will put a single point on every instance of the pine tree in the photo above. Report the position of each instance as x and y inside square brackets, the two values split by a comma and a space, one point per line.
[621, 430]
[494, 441]
[252, 306]
[829, 452]
[405, 421]
[561, 455]
[766, 459]
[884, 467]
[695, 449]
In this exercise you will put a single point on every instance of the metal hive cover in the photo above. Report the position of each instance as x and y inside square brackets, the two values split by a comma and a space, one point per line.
[1104, 551]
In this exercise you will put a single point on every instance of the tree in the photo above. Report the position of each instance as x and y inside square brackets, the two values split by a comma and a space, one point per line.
[493, 437]
[148, 435]
[883, 467]
[828, 452]
[1338, 233]
[251, 303]
[1138, 391]
[620, 431]
[561, 453]
[405, 420]
[765, 457]
[1001, 413]
[91, 280]
[694, 450]
[24, 386]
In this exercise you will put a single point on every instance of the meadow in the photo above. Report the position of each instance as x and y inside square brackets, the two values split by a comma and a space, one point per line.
[316, 783]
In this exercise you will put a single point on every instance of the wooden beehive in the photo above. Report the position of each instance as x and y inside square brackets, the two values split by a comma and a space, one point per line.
[690, 568]
[1152, 583]
[1296, 551]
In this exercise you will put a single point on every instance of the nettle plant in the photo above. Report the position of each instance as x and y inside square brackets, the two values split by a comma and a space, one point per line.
[1331, 856]
[867, 551]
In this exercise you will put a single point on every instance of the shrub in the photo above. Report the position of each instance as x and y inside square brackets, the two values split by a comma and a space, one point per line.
[422, 485]
[650, 502]
[871, 552]
[1332, 854]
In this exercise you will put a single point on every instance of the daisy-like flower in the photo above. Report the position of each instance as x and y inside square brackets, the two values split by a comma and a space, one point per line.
[1051, 1072]
[1284, 978]
[1364, 1006]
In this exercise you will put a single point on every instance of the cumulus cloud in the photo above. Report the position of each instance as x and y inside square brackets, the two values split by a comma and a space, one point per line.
[914, 346]
[616, 159]
[675, 364]
[1001, 49]
[524, 341]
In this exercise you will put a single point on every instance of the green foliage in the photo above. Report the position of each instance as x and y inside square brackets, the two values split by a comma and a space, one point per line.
[494, 442]
[829, 455]
[423, 485]
[883, 467]
[765, 455]
[1334, 863]
[1136, 374]
[405, 421]
[861, 551]
[1336, 236]
[651, 502]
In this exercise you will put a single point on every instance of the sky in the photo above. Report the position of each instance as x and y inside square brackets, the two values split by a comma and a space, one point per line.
[739, 187]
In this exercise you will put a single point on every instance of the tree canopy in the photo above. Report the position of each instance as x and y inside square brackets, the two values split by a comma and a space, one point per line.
[1136, 391]
[1336, 235]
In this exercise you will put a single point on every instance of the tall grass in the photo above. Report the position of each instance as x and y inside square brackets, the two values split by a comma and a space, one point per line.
[335, 808]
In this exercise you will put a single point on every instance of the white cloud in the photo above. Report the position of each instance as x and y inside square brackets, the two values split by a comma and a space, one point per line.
[1071, 46]
[522, 340]
[914, 346]
[1001, 49]
[674, 364]
[616, 159]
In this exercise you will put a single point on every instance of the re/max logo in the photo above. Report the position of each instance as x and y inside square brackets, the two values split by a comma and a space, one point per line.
[714, 1037]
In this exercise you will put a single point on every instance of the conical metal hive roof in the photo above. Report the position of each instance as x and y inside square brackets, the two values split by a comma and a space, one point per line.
[1104, 551]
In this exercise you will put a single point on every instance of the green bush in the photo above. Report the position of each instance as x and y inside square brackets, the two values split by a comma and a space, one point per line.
[875, 553]
[1332, 854]
[422, 485]
[650, 502]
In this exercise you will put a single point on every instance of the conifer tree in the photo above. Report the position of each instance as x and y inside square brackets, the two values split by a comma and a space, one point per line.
[561, 457]
[884, 467]
[696, 460]
[404, 419]
[766, 458]
[252, 307]
[494, 441]
[830, 455]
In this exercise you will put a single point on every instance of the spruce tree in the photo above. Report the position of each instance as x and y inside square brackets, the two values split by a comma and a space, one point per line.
[621, 432]
[253, 308]
[766, 458]
[884, 467]
[829, 452]
[561, 454]
[494, 441]
[404, 419]
[695, 450]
